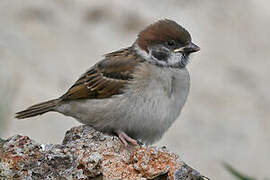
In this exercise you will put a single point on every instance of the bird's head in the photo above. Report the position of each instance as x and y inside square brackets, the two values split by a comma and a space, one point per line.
[165, 43]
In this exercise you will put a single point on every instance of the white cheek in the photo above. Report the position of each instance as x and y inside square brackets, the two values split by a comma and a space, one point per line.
[175, 58]
[141, 52]
[148, 57]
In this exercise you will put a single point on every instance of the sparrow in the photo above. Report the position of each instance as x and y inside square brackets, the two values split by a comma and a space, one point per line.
[135, 93]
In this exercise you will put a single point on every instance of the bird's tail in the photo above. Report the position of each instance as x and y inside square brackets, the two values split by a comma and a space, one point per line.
[38, 109]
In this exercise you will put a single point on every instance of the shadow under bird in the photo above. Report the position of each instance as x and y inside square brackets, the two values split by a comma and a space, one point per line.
[136, 92]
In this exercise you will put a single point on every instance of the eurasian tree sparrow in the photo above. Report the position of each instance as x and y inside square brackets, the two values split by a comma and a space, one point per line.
[136, 92]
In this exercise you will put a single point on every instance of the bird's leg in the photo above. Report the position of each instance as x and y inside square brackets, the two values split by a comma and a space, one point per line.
[125, 138]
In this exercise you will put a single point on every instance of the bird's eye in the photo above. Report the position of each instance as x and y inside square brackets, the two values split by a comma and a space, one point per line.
[171, 43]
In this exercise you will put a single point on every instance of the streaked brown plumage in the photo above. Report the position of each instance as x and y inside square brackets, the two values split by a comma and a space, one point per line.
[106, 78]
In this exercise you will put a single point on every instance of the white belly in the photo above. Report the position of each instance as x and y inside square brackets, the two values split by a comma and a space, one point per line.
[150, 104]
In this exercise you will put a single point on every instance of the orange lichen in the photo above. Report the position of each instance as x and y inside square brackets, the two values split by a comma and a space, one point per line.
[87, 153]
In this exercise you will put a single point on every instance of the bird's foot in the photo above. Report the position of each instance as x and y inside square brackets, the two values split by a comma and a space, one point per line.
[125, 139]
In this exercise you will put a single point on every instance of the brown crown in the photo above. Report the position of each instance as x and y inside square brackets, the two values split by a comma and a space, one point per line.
[161, 31]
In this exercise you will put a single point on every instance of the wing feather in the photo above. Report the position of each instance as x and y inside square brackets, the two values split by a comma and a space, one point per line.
[106, 78]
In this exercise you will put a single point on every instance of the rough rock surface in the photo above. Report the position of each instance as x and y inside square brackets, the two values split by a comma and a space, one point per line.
[88, 154]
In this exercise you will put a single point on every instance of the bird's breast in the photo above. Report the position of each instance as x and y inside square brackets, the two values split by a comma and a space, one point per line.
[156, 97]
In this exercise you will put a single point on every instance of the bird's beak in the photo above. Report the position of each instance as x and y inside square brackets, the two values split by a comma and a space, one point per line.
[190, 48]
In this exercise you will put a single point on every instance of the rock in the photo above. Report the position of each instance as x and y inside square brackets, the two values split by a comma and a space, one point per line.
[89, 154]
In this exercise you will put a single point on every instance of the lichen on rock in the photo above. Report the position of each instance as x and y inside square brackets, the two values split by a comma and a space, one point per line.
[86, 153]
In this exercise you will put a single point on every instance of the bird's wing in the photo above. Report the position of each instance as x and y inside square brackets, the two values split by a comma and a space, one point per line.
[106, 78]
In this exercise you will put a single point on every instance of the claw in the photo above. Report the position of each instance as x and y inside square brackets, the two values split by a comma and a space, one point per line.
[125, 138]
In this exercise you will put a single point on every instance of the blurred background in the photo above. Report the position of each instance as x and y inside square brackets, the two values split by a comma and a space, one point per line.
[46, 45]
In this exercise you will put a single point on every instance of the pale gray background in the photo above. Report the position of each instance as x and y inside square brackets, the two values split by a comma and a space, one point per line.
[46, 45]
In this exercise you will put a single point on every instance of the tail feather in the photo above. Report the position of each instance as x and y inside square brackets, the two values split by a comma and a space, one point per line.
[38, 109]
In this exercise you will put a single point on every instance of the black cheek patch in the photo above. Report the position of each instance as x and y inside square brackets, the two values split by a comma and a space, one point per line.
[160, 55]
